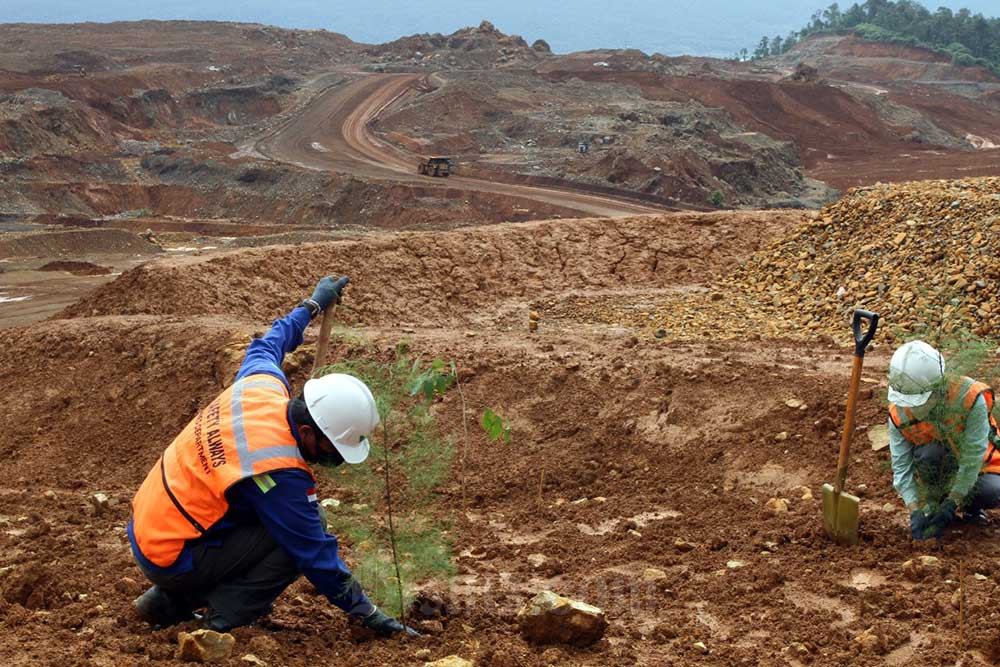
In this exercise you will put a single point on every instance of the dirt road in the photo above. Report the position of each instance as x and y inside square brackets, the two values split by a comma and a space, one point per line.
[332, 134]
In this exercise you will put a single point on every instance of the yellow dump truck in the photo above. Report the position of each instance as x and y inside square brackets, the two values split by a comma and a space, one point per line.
[435, 166]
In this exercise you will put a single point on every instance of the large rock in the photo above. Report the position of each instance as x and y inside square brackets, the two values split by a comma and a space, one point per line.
[869, 642]
[878, 436]
[552, 619]
[920, 567]
[776, 506]
[450, 661]
[205, 646]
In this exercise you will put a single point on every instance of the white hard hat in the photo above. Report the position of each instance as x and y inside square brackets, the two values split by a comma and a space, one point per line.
[344, 409]
[915, 370]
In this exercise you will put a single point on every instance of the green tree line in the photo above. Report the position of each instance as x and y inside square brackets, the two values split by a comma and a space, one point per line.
[969, 39]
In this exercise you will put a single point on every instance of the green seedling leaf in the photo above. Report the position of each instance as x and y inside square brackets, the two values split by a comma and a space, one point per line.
[434, 381]
[494, 426]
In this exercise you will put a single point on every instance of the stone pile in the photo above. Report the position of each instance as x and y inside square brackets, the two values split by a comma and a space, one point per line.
[925, 255]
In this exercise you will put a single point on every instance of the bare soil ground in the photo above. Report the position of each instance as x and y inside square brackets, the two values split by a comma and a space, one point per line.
[628, 453]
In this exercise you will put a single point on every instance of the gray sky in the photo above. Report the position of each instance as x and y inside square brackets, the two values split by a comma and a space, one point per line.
[672, 27]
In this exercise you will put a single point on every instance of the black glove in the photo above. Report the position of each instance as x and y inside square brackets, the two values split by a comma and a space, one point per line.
[386, 626]
[327, 291]
[918, 525]
[944, 516]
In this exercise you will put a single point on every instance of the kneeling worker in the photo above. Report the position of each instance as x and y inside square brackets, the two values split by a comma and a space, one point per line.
[942, 435]
[227, 518]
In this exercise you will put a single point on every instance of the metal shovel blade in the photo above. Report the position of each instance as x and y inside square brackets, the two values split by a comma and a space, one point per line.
[840, 515]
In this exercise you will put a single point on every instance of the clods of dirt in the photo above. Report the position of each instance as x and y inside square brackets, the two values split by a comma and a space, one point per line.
[76, 268]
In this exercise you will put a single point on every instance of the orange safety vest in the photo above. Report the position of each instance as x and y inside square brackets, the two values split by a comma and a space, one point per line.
[243, 432]
[961, 393]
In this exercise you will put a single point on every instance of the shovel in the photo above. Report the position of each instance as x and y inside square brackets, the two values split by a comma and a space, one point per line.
[323, 342]
[325, 326]
[840, 509]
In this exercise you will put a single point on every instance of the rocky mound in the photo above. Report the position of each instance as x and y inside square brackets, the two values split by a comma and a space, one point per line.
[655, 141]
[923, 255]
[76, 268]
[480, 46]
[75, 242]
[427, 278]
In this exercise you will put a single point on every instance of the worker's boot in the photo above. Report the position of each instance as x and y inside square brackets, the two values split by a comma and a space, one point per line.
[213, 620]
[975, 518]
[161, 609]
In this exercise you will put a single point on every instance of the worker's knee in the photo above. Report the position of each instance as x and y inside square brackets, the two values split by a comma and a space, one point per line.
[284, 563]
[988, 491]
[929, 454]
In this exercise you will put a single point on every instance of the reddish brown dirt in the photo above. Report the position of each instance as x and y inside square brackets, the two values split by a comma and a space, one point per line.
[481, 265]
[74, 242]
[333, 133]
[623, 443]
[957, 115]
[906, 164]
[841, 140]
[671, 440]
[76, 268]
[60, 49]
[395, 206]
[880, 62]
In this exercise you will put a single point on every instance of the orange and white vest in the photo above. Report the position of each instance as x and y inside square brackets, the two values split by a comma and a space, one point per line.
[961, 395]
[243, 432]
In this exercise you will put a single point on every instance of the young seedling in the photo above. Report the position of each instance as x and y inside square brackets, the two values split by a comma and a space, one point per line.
[465, 428]
[384, 409]
[434, 381]
[495, 426]
[414, 459]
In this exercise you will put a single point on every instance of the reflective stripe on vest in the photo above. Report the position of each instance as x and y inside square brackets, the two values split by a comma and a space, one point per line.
[242, 433]
[962, 394]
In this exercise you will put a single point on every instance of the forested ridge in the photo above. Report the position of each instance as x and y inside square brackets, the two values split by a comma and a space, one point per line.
[969, 39]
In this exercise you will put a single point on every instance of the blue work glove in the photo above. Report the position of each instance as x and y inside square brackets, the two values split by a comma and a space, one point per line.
[385, 625]
[918, 525]
[944, 516]
[328, 291]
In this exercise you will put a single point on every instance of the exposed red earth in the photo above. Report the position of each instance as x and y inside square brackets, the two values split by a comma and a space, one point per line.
[657, 437]
[643, 474]
[333, 134]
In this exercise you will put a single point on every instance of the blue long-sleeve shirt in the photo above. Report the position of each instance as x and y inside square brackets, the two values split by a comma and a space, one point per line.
[285, 502]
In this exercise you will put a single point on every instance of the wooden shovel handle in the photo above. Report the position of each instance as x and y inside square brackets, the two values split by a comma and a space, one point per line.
[861, 340]
[324, 339]
[845, 441]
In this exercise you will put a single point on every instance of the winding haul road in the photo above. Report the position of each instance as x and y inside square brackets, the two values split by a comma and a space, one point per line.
[331, 134]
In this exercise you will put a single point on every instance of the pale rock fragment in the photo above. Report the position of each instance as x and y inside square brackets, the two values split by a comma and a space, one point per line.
[205, 646]
[549, 618]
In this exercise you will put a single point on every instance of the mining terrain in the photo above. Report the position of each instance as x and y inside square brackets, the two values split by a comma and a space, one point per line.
[673, 373]
[205, 136]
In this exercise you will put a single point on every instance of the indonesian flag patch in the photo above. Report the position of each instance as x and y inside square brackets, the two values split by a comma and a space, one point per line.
[311, 495]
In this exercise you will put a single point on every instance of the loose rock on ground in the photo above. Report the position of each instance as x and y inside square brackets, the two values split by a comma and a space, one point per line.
[549, 618]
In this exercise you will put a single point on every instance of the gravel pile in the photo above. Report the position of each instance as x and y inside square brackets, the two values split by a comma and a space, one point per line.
[925, 255]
